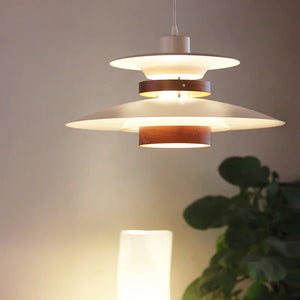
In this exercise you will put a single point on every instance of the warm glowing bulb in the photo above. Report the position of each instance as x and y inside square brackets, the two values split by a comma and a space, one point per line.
[175, 145]
[174, 76]
[181, 95]
[144, 265]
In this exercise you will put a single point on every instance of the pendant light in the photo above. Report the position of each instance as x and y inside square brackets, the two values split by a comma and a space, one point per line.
[175, 116]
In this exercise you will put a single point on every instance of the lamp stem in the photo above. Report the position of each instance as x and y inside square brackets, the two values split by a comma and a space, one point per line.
[174, 30]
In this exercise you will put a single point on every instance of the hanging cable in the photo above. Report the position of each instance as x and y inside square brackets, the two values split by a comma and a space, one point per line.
[174, 30]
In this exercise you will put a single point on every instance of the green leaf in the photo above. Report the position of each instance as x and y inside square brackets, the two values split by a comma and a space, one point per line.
[192, 291]
[291, 220]
[276, 244]
[290, 296]
[241, 238]
[257, 291]
[291, 192]
[244, 172]
[207, 212]
[227, 258]
[273, 196]
[220, 243]
[264, 268]
[292, 248]
[292, 262]
[214, 278]
[288, 248]
[238, 214]
[292, 278]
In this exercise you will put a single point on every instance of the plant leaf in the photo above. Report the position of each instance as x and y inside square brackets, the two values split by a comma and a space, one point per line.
[220, 243]
[291, 191]
[274, 198]
[292, 278]
[257, 291]
[290, 220]
[244, 172]
[207, 212]
[227, 258]
[241, 214]
[192, 291]
[264, 268]
[288, 248]
[240, 237]
[215, 278]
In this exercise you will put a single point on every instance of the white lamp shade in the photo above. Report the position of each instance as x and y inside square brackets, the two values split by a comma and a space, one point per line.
[174, 65]
[144, 265]
[219, 116]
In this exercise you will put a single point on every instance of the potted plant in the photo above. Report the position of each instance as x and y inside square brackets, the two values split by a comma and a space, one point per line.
[261, 242]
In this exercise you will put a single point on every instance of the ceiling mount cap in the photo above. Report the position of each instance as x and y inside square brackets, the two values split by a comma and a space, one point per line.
[175, 44]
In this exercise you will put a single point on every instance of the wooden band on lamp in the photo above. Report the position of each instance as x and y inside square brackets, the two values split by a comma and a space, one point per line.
[195, 88]
[175, 136]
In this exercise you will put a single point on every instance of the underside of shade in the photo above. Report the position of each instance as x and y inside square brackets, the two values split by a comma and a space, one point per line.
[173, 112]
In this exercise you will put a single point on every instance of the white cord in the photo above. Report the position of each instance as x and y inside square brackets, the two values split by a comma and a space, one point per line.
[174, 30]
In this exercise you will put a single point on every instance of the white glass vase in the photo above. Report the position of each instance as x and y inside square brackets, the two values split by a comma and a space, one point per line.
[144, 265]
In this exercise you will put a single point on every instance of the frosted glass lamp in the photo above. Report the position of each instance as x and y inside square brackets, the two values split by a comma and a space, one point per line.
[144, 265]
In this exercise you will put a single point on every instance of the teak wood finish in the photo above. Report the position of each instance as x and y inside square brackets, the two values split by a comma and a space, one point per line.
[196, 88]
[168, 136]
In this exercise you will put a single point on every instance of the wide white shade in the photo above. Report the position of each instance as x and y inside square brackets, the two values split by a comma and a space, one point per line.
[144, 265]
[173, 66]
[167, 112]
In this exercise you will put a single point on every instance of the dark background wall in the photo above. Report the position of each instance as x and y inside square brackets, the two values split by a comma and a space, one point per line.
[65, 194]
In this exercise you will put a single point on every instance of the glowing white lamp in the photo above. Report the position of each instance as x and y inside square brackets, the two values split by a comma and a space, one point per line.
[144, 265]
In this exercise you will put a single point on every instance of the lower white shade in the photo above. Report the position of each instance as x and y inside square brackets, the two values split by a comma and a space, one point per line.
[219, 116]
[144, 265]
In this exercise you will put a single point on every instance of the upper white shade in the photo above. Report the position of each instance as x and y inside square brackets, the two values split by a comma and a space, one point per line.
[173, 65]
[144, 265]
[157, 112]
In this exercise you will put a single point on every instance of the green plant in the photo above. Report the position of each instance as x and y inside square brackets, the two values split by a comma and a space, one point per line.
[261, 242]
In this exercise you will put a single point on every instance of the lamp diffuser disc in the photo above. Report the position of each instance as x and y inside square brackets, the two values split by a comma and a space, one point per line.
[174, 112]
[174, 65]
